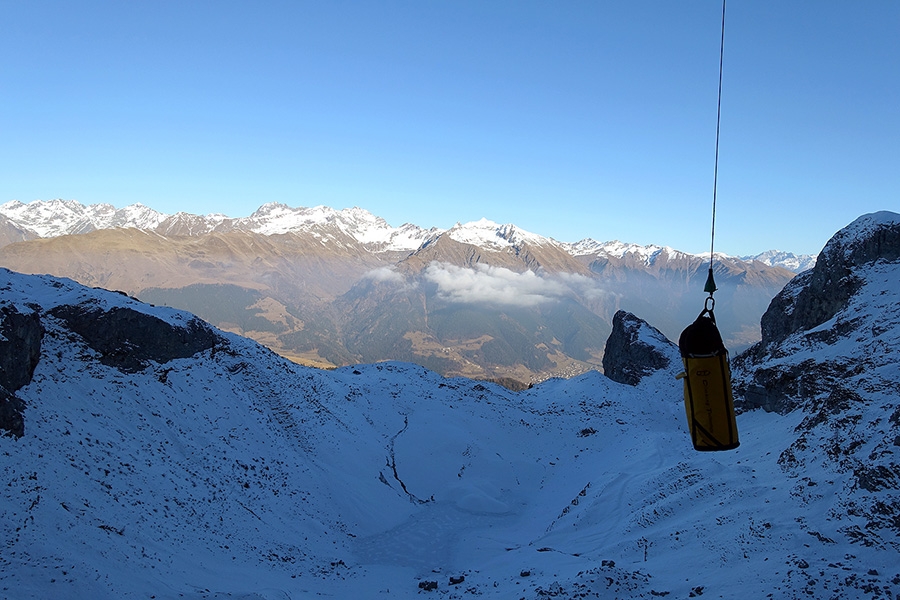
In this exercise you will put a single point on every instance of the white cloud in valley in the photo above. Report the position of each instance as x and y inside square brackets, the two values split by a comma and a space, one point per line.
[385, 275]
[493, 285]
[486, 284]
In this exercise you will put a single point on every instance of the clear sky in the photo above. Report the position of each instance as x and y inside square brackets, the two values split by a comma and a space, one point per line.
[571, 119]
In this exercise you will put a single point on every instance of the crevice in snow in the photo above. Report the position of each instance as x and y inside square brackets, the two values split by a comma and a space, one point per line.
[392, 464]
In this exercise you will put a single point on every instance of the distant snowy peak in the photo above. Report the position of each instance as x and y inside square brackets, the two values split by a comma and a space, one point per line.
[486, 233]
[787, 260]
[187, 224]
[54, 218]
[358, 223]
[620, 250]
[615, 248]
[64, 217]
[274, 218]
[651, 253]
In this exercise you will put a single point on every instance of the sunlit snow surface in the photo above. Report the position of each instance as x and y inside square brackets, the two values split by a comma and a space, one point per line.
[60, 217]
[236, 474]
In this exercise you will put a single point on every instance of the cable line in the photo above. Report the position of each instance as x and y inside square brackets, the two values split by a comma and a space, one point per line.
[708, 399]
[710, 286]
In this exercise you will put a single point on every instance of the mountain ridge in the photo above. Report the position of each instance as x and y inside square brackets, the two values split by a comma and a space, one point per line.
[331, 288]
[53, 218]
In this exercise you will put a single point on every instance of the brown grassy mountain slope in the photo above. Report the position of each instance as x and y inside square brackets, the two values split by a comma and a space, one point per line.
[132, 260]
[517, 309]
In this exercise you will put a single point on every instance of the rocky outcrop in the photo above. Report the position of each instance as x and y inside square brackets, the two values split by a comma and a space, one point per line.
[828, 354]
[817, 295]
[803, 307]
[635, 349]
[20, 351]
[128, 339]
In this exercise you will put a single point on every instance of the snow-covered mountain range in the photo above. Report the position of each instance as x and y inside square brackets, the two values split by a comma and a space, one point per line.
[332, 288]
[149, 455]
[55, 218]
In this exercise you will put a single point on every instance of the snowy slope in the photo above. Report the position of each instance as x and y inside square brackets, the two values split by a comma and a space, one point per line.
[236, 474]
[829, 352]
[486, 233]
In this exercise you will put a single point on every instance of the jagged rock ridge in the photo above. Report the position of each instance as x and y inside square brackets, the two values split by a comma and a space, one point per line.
[818, 295]
[829, 356]
[636, 349]
[824, 306]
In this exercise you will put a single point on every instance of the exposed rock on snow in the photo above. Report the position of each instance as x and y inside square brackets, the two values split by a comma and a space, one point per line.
[636, 349]
[11, 409]
[20, 346]
[831, 342]
[822, 307]
[817, 295]
[20, 351]
[127, 339]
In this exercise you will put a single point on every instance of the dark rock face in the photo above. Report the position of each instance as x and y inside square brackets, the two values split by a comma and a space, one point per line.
[781, 389]
[20, 351]
[635, 349]
[12, 419]
[828, 354]
[818, 294]
[806, 302]
[128, 339]
[20, 346]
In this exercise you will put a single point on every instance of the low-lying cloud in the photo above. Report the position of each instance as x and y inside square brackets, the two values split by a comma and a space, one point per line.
[385, 275]
[493, 285]
[486, 284]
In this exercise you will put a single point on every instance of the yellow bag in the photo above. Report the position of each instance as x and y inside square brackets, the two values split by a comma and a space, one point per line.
[708, 401]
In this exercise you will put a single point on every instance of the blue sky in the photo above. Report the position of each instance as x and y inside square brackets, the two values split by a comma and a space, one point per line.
[570, 119]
